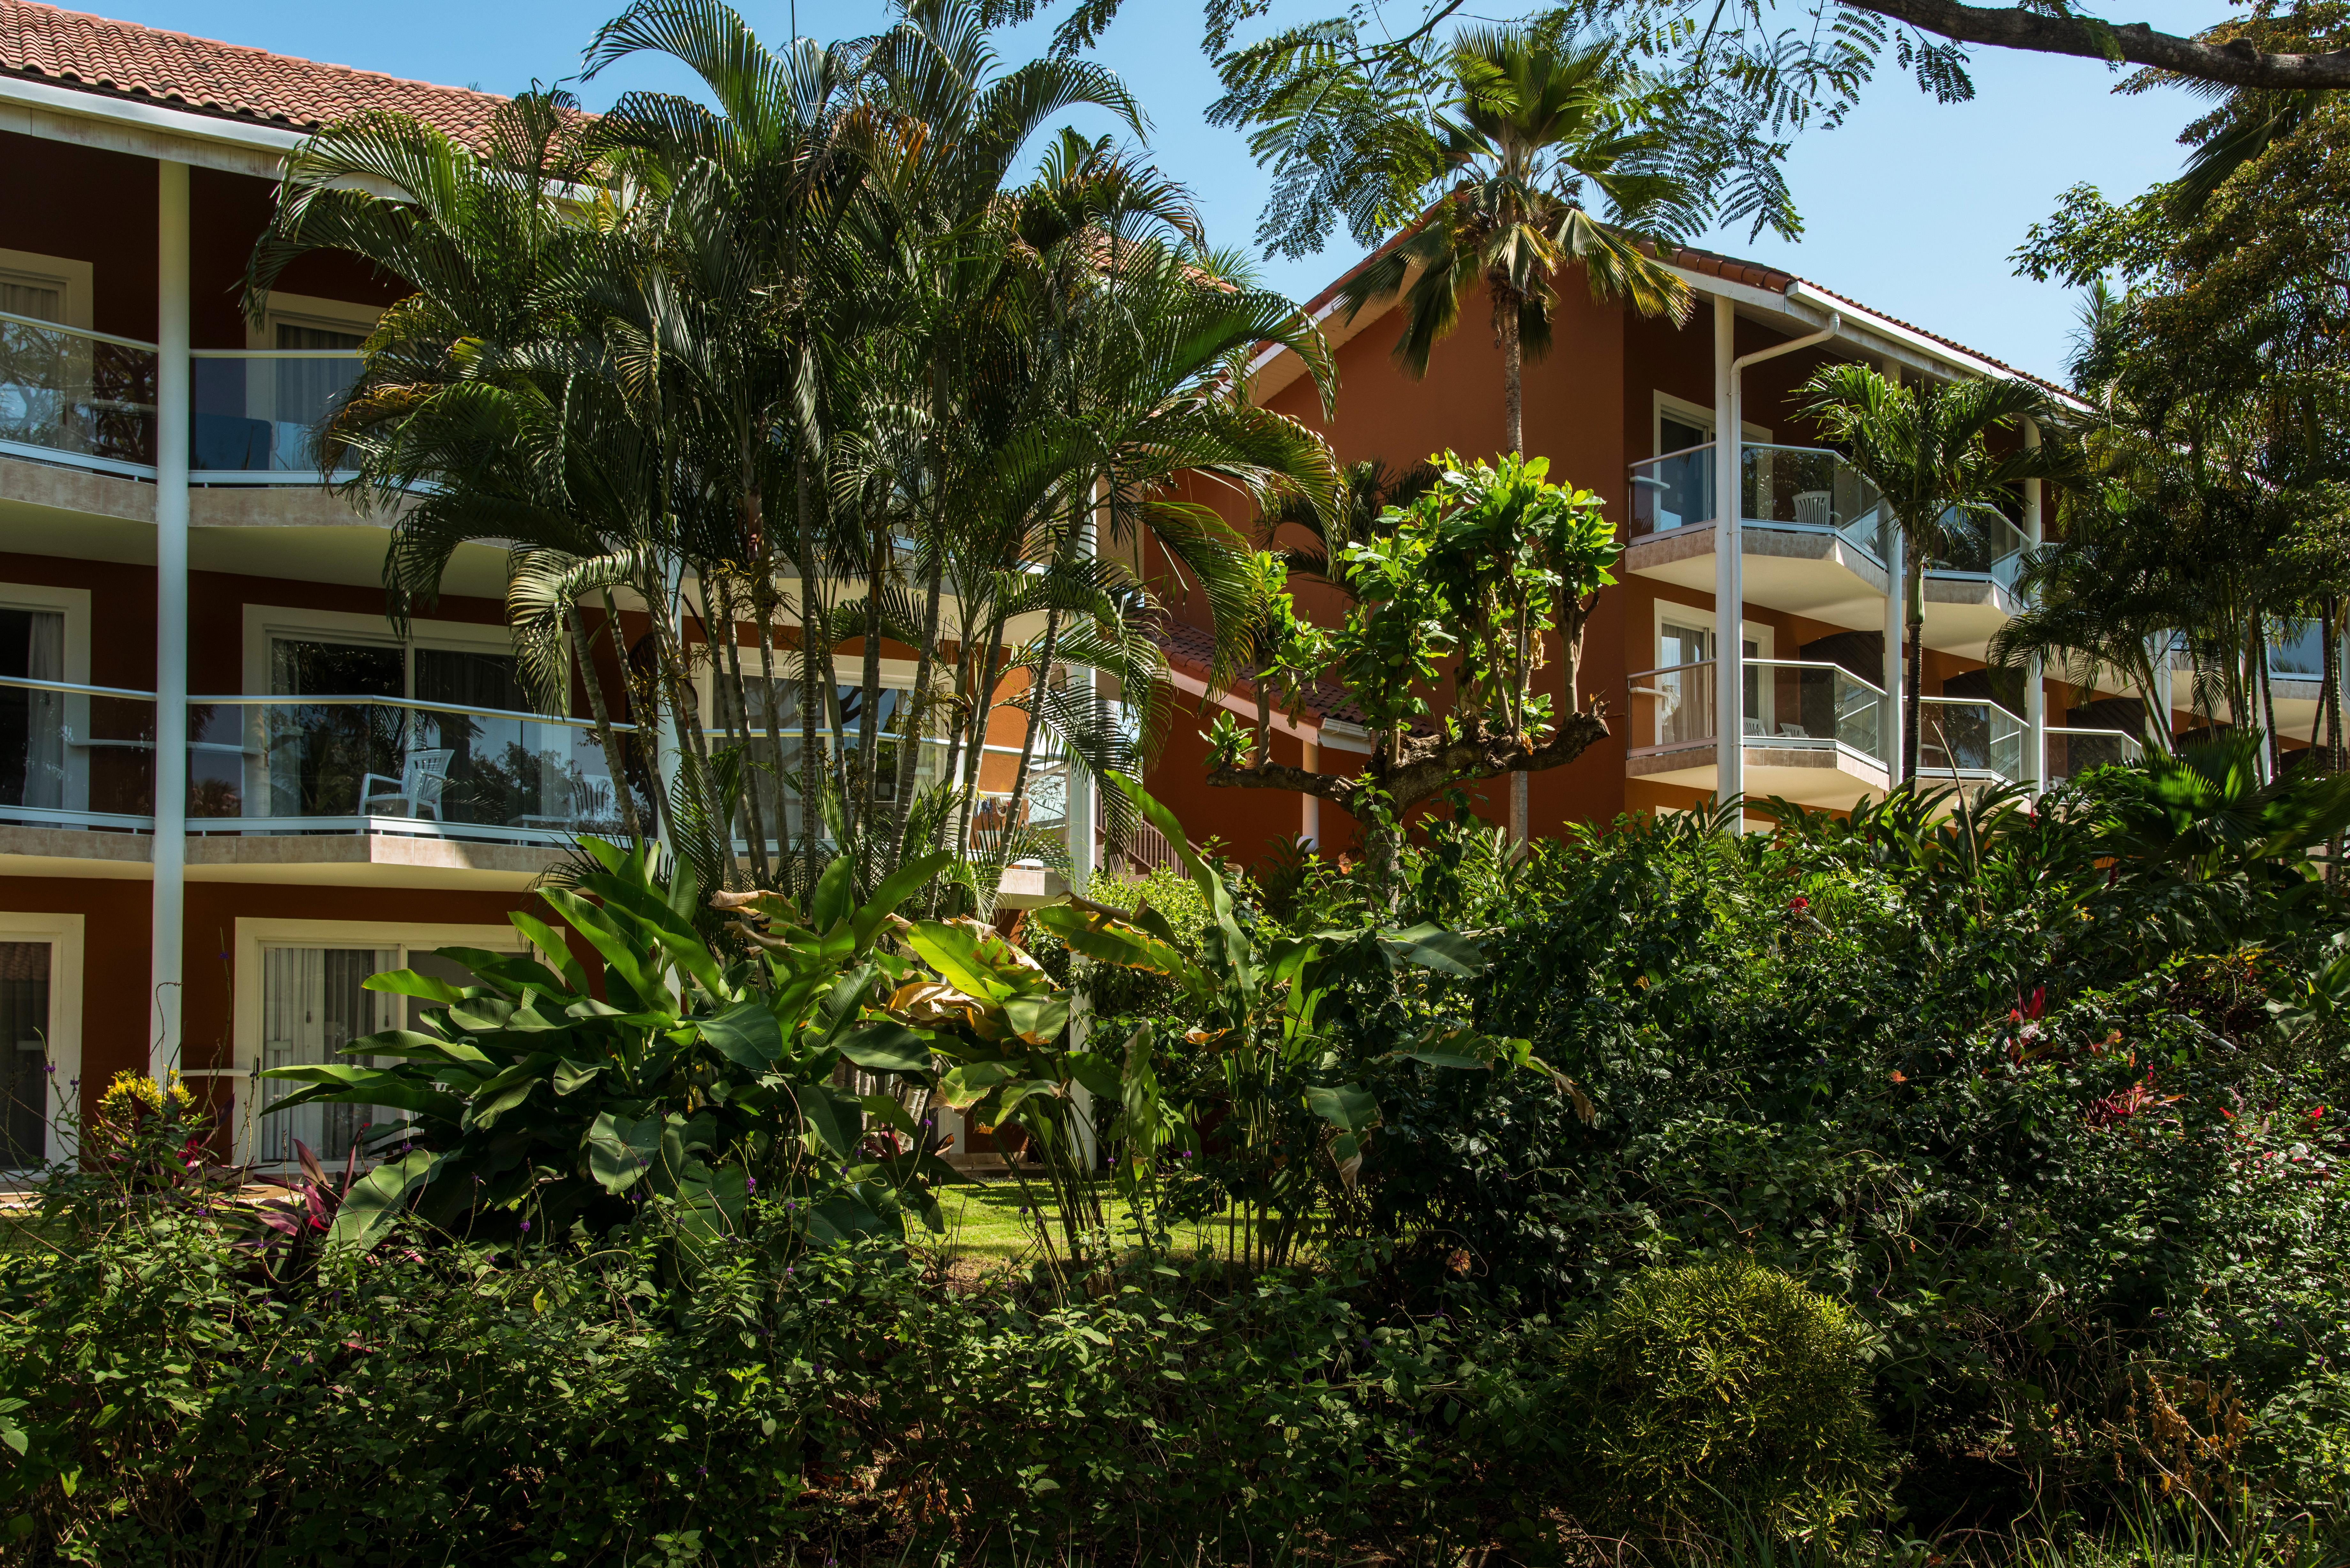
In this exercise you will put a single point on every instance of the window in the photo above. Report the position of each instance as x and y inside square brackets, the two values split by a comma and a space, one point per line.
[25, 1037]
[301, 997]
[314, 1002]
[45, 287]
[32, 722]
[438, 730]
[1685, 636]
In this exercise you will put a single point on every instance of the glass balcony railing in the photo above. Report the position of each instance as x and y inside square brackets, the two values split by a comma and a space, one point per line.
[1675, 490]
[1981, 545]
[1788, 704]
[302, 765]
[1794, 487]
[1809, 488]
[1960, 735]
[76, 756]
[259, 413]
[80, 395]
[2067, 752]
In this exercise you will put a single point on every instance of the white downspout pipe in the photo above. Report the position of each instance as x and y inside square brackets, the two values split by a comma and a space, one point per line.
[1897, 570]
[1728, 583]
[173, 405]
[1729, 543]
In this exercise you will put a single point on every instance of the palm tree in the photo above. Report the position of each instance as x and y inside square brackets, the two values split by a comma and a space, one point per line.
[1367, 490]
[1928, 451]
[1532, 122]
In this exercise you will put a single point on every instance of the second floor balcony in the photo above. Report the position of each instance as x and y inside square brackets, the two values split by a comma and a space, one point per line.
[1816, 540]
[87, 399]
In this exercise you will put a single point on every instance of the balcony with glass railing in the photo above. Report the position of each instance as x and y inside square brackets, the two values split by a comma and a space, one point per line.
[77, 756]
[1812, 731]
[66, 395]
[1968, 741]
[2067, 752]
[1793, 488]
[303, 765]
[257, 414]
[1979, 544]
[87, 399]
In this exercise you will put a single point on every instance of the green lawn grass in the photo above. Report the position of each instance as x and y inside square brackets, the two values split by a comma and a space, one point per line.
[989, 1224]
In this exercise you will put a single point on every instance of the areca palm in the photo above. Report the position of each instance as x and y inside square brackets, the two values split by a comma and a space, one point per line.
[1534, 123]
[1928, 450]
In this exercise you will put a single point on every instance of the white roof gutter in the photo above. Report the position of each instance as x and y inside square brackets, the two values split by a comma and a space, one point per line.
[143, 130]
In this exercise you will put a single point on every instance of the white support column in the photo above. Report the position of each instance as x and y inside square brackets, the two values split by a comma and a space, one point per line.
[1896, 570]
[1728, 569]
[1309, 825]
[2035, 677]
[171, 421]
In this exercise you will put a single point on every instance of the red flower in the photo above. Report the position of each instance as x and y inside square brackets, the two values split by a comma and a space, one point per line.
[1799, 905]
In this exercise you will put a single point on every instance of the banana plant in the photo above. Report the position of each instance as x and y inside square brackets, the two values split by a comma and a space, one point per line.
[1258, 1009]
[1002, 1023]
[535, 1097]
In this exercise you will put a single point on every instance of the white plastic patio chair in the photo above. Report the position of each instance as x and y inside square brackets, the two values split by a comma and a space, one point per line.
[1813, 509]
[422, 777]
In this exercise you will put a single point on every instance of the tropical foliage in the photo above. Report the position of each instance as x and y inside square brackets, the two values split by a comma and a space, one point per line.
[1475, 579]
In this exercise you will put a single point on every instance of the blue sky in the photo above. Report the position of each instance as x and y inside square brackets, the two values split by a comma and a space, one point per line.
[1912, 207]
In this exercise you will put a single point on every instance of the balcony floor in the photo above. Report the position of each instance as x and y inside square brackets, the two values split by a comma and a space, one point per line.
[1830, 777]
[1826, 579]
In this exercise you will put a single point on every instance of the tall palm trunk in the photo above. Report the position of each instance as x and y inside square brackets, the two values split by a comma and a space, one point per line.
[605, 737]
[648, 729]
[918, 715]
[1039, 679]
[738, 735]
[811, 635]
[1513, 368]
[678, 679]
[868, 720]
[1514, 406]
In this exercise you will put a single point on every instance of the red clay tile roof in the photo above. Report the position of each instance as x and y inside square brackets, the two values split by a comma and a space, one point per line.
[225, 82]
[1192, 649]
[1732, 269]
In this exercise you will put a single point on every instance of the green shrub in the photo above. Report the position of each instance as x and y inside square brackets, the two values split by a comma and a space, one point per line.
[1721, 1394]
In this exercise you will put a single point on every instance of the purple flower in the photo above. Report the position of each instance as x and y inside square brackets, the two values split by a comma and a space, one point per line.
[705, 1470]
[750, 1184]
[788, 1268]
[525, 1226]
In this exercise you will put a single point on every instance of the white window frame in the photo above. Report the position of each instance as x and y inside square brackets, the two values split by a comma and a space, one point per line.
[74, 604]
[71, 277]
[1705, 620]
[255, 935]
[63, 933]
[309, 311]
[1689, 414]
[266, 623]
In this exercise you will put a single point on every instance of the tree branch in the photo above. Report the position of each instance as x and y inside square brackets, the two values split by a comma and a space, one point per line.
[2237, 64]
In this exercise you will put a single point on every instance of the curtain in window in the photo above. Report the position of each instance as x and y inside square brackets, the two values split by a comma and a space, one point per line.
[24, 1037]
[32, 724]
[313, 1004]
[306, 388]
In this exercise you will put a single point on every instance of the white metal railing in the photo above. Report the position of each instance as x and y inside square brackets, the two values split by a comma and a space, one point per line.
[1786, 704]
[1803, 489]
